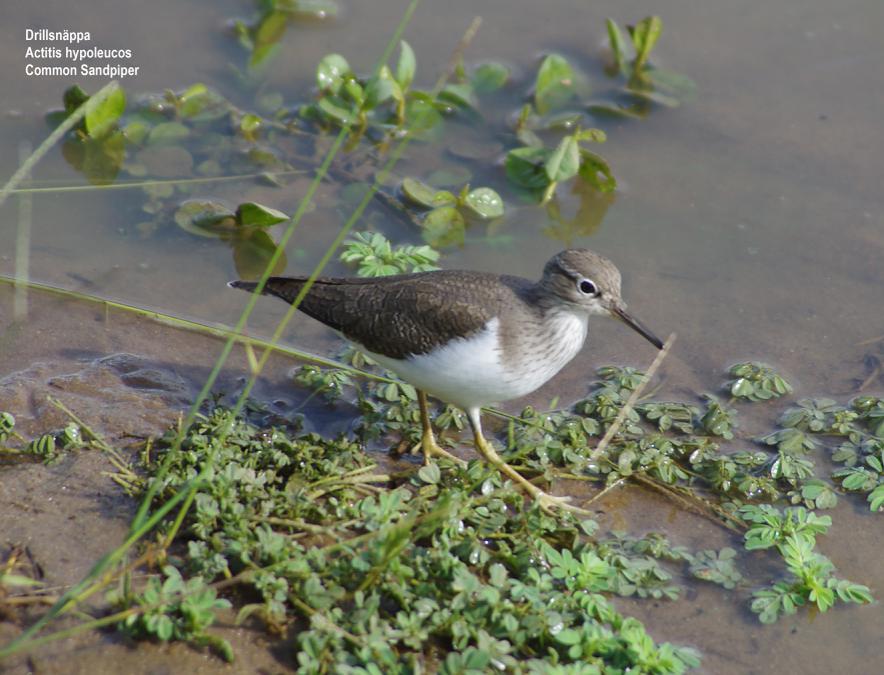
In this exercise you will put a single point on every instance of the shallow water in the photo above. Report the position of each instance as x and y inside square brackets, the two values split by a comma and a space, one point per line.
[749, 220]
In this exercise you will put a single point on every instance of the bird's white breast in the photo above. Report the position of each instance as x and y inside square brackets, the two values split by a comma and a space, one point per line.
[563, 335]
[474, 371]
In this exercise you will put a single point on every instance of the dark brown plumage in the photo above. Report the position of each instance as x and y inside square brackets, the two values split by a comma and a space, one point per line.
[444, 305]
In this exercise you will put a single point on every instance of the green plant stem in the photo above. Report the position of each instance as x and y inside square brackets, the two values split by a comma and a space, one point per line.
[129, 185]
[633, 398]
[693, 503]
[198, 327]
[85, 427]
[73, 630]
[22, 247]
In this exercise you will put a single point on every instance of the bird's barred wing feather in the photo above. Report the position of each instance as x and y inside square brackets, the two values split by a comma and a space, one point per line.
[399, 315]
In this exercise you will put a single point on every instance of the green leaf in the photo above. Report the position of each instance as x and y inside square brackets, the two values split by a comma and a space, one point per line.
[419, 193]
[17, 581]
[644, 36]
[555, 84]
[856, 479]
[331, 71]
[569, 636]
[444, 226]
[460, 95]
[249, 125]
[497, 575]
[596, 171]
[742, 388]
[564, 161]
[566, 121]
[430, 474]
[444, 198]
[104, 116]
[421, 114]
[876, 498]
[382, 88]
[258, 215]
[592, 135]
[489, 77]
[485, 203]
[164, 628]
[407, 65]
[262, 55]
[335, 111]
[851, 592]
[73, 98]
[271, 29]
[168, 133]
[618, 46]
[354, 91]
[190, 101]
[526, 167]
[199, 103]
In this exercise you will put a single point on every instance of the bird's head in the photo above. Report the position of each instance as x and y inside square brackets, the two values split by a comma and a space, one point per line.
[590, 283]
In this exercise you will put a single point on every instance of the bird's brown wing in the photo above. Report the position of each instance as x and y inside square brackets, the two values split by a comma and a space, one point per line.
[400, 315]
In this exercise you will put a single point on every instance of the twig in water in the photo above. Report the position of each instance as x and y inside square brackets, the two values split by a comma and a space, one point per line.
[630, 402]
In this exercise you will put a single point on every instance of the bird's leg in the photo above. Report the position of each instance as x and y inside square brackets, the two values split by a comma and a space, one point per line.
[547, 501]
[428, 443]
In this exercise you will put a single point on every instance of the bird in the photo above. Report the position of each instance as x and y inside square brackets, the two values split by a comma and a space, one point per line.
[469, 338]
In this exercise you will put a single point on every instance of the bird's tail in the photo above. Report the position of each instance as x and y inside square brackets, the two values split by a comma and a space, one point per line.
[282, 287]
[248, 286]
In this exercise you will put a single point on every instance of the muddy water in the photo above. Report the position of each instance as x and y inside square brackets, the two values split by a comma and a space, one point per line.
[749, 220]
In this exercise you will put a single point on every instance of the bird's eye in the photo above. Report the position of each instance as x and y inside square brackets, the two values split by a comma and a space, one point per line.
[587, 287]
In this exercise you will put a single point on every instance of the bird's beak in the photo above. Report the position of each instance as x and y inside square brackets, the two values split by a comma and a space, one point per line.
[621, 313]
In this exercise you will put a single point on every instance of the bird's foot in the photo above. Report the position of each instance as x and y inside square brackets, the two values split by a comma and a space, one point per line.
[428, 443]
[430, 447]
[551, 503]
[548, 503]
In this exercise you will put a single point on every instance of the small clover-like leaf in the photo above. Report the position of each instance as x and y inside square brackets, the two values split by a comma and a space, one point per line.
[876, 498]
[555, 84]
[485, 203]
[419, 193]
[430, 474]
[489, 77]
[250, 125]
[331, 72]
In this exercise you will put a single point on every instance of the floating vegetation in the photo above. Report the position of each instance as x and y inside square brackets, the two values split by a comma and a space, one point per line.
[176, 144]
